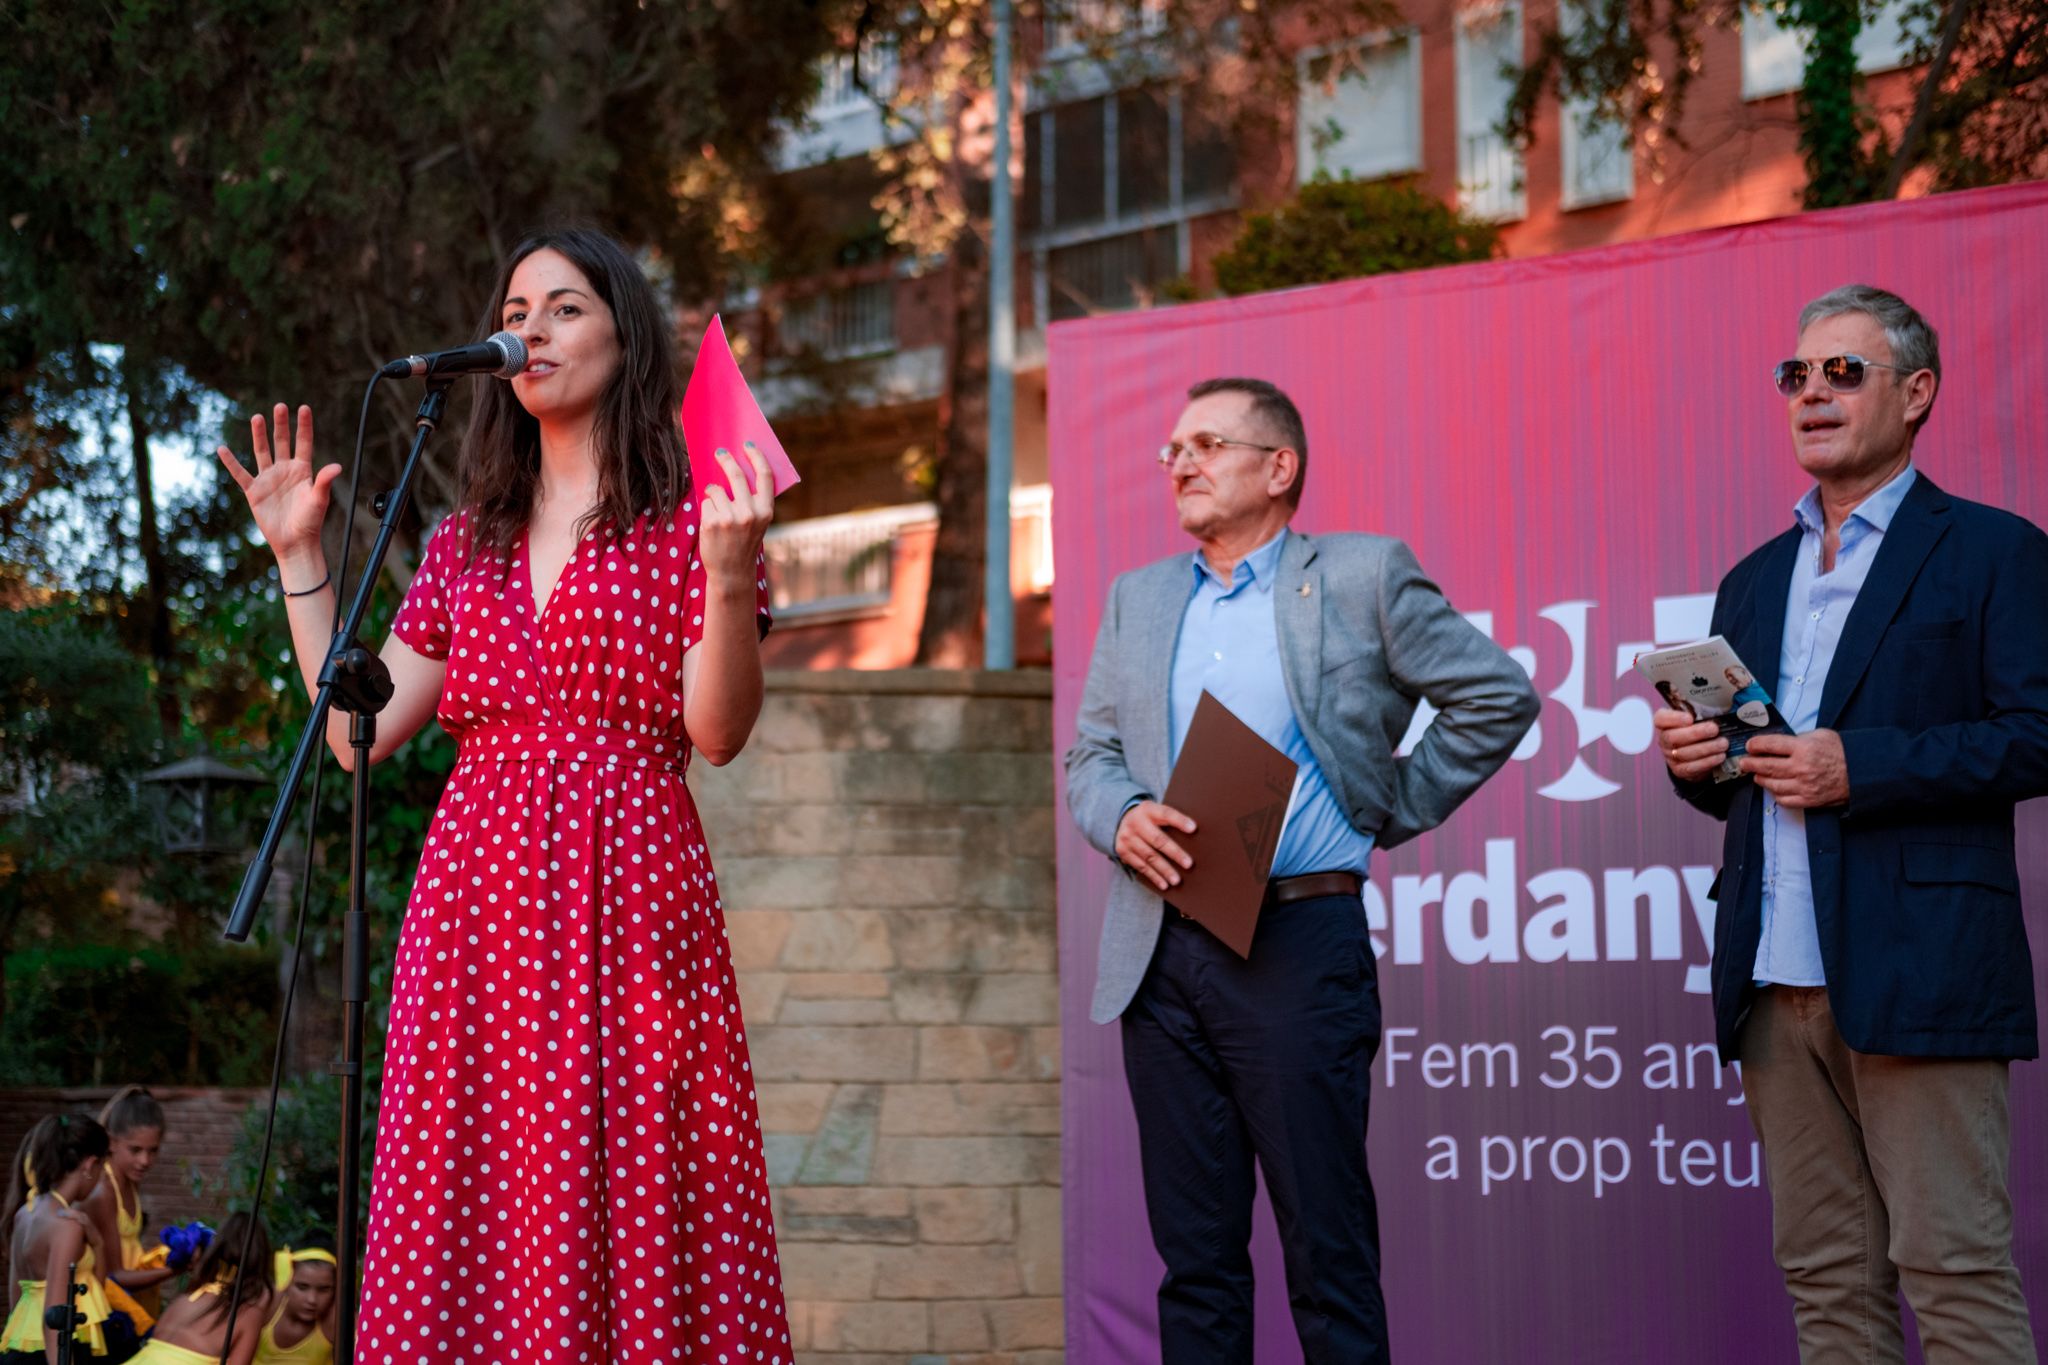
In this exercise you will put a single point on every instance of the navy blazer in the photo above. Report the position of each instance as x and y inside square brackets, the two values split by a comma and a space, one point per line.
[1939, 690]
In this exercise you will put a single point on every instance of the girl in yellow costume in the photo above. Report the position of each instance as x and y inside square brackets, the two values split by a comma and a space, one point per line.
[47, 1236]
[135, 1132]
[302, 1330]
[134, 1121]
[194, 1329]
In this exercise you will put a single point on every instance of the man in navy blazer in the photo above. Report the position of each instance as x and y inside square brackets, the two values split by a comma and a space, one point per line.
[1871, 970]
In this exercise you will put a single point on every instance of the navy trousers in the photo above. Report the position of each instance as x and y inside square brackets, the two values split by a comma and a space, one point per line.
[1231, 1061]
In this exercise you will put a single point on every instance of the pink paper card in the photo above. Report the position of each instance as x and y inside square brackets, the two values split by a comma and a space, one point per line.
[719, 412]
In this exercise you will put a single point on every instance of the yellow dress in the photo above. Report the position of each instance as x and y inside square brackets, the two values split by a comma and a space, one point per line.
[163, 1353]
[24, 1330]
[157, 1352]
[142, 1305]
[316, 1349]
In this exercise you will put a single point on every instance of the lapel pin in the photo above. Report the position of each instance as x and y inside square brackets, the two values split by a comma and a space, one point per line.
[1304, 590]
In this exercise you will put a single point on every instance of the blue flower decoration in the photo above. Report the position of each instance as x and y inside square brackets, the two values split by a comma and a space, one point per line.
[186, 1242]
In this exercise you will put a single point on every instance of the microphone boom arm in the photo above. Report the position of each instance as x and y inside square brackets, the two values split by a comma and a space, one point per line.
[352, 676]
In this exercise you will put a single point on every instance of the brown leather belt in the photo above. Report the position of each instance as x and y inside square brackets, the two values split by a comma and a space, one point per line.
[1306, 887]
[1310, 885]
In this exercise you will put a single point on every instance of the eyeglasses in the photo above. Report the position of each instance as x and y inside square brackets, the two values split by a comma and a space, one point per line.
[1202, 447]
[1844, 373]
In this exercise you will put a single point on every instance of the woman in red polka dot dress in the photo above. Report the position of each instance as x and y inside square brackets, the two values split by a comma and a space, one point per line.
[569, 1163]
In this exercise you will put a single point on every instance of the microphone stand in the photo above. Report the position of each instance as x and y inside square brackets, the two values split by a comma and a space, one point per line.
[354, 680]
[64, 1318]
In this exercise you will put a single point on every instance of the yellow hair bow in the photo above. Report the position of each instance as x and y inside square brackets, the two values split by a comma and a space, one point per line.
[283, 1261]
[219, 1284]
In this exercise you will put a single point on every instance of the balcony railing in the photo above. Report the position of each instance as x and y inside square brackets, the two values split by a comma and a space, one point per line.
[1110, 274]
[845, 564]
[825, 565]
[857, 320]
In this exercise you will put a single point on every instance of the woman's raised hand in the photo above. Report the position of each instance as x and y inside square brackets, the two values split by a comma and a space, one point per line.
[732, 527]
[286, 496]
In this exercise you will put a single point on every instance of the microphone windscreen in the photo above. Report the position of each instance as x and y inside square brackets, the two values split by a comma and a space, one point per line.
[514, 351]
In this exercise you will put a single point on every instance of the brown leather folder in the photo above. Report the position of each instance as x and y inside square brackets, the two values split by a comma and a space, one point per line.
[1236, 787]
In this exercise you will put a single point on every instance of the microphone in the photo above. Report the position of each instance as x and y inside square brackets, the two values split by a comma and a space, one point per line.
[501, 354]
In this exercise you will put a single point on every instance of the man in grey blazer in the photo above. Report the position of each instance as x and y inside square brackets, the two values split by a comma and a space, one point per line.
[1324, 645]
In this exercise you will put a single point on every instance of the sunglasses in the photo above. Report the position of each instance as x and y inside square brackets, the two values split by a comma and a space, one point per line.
[1844, 373]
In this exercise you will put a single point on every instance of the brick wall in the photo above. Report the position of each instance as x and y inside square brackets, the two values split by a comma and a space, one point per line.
[199, 1130]
[885, 851]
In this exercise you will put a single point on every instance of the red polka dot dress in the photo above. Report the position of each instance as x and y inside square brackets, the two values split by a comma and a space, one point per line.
[569, 1163]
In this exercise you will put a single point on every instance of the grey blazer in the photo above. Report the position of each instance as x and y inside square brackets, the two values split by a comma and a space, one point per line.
[1369, 638]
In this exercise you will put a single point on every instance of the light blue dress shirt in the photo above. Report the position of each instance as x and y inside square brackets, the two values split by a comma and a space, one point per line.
[1816, 608]
[1230, 645]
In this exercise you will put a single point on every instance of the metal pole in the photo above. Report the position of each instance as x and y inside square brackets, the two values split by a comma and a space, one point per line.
[999, 638]
[355, 995]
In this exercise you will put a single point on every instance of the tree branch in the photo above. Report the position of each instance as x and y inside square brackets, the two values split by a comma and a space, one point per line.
[1908, 150]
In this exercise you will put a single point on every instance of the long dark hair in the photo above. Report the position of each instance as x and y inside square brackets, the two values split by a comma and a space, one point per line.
[636, 439]
[131, 1108]
[224, 1254]
[58, 1145]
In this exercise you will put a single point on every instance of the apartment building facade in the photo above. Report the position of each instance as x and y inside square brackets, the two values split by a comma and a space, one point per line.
[1128, 189]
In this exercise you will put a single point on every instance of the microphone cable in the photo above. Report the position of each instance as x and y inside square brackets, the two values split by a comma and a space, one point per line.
[284, 1018]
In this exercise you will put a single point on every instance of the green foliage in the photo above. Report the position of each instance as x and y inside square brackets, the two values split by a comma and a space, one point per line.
[74, 726]
[1344, 229]
[73, 706]
[1636, 60]
[304, 1186]
[260, 175]
[51, 494]
[70, 698]
[1978, 75]
[1835, 131]
[63, 861]
[98, 1015]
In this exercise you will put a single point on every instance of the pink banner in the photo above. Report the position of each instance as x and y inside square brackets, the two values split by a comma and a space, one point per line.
[1577, 447]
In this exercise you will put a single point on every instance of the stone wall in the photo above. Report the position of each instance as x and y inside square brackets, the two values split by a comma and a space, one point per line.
[885, 855]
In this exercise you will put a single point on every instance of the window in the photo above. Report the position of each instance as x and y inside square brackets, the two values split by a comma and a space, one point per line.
[1092, 163]
[1078, 194]
[837, 94]
[1109, 186]
[1360, 111]
[1599, 163]
[1071, 25]
[1207, 157]
[1031, 189]
[1774, 57]
[1489, 49]
[845, 120]
[1144, 151]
